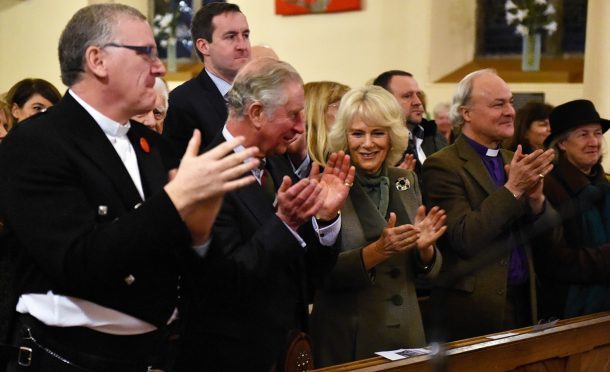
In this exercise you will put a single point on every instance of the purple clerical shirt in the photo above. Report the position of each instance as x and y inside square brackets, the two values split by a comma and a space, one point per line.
[517, 269]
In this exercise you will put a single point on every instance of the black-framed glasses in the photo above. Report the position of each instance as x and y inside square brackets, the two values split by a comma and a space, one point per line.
[149, 51]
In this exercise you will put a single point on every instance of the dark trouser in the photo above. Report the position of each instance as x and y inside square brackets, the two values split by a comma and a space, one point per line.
[518, 310]
[82, 349]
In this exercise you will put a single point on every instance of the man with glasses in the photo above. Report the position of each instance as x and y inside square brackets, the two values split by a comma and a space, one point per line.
[221, 37]
[99, 235]
[424, 138]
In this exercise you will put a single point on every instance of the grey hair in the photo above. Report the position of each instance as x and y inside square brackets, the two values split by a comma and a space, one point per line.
[162, 89]
[463, 93]
[92, 25]
[554, 144]
[262, 80]
[375, 106]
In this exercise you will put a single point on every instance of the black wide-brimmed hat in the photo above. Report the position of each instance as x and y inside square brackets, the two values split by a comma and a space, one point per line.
[571, 115]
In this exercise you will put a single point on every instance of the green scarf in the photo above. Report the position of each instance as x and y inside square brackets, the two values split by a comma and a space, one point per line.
[376, 187]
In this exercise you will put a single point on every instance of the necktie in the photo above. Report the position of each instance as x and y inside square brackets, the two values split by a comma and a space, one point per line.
[267, 182]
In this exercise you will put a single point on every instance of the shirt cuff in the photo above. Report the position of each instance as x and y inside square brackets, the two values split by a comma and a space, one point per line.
[202, 249]
[296, 236]
[327, 235]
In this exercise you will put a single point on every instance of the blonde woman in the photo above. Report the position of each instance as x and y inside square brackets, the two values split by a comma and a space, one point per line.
[369, 302]
[321, 105]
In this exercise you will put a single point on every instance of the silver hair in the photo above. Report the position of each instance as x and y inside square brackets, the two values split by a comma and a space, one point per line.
[463, 93]
[92, 25]
[262, 80]
[162, 89]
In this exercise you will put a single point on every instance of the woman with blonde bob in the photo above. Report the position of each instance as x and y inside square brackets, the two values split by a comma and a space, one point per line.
[321, 104]
[369, 302]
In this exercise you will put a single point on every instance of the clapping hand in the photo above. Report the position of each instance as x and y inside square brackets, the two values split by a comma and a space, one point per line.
[395, 239]
[408, 163]
[526, 175]
[196, 188]
[431, 226]
[297, 203]
[336, 180]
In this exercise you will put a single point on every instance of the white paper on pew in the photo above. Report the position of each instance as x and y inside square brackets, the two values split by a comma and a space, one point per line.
[501, 335]
[402, 353]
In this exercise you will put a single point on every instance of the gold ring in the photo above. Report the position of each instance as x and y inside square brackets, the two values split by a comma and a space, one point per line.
[541, 176]
[349, 184]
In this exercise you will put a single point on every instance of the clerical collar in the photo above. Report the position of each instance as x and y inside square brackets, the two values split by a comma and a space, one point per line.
[480, 149]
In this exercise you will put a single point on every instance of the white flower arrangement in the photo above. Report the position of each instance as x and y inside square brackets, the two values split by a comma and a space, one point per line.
[165, 25]
[530, 16]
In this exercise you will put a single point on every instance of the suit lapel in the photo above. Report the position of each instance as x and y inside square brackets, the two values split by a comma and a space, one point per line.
[252, 196]
[91, 141]
[371, 220]
[402, 202]
[214, 96]
[474, 165]
[153, 176]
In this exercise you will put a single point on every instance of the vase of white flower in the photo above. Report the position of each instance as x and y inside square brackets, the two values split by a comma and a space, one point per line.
[531, 18]
[171, 54]
[530, 53]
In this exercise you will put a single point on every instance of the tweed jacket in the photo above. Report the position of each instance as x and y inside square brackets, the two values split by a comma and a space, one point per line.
[483, 224]
[360, 312]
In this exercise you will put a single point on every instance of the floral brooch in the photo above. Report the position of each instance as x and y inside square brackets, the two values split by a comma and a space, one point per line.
[403, 184]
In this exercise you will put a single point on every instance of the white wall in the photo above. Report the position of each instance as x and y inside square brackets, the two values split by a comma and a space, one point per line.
[29, 33]
[428, 38]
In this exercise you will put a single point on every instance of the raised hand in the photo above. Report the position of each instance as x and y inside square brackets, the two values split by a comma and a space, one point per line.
[526, 171]
[297, 203]
[527, 179]
[336, 180]
[196, 188]
[431, 226]
[408, 162]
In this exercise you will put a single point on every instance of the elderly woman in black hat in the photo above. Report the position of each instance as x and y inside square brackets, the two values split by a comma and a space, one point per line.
[575, 274]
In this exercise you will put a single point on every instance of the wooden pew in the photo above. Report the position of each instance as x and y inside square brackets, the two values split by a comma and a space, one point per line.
[576, 344]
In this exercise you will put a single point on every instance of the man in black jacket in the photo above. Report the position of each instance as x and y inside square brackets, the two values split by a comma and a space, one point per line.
[424, 139]
[265, 255]
[222, 40]
[99, 234]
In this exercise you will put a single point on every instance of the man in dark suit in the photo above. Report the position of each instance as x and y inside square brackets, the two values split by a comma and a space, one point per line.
[99, 234]
[424, 138]
[222, 40]
[495, 208]
[266, 255]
